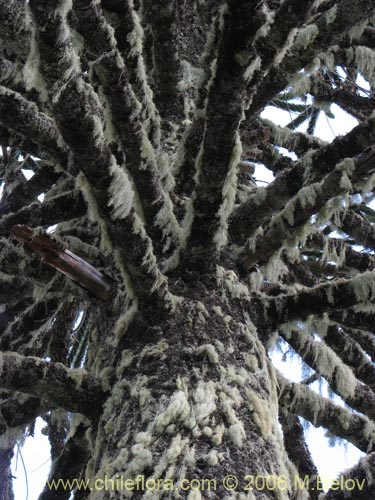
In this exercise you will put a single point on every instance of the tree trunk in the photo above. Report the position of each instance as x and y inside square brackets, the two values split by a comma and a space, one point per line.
[194, 398]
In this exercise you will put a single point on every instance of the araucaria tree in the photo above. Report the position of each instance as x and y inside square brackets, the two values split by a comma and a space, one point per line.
[143, 291]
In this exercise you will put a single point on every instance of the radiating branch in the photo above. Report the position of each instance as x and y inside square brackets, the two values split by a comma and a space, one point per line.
[74, 390]
[361, 476]
[362, 320]
[217, 162]
[335, 246]
[337, 295]
[25, 193]
[19, 409]
[51, 211]
[14, 32]
[9, 283]
[320, 411]
[270, 200]
[326, 31]
[162, 16]
[80, 118]
[297, 449]
[339, 376]
[69, 465]
[351, 354]
[112, 73]
[308, 201]
[359, 228]
[22, 116]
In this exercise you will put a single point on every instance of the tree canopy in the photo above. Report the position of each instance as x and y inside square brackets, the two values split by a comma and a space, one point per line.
[146, 274]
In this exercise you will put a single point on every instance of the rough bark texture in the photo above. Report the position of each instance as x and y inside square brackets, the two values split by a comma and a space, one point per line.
[146, 276]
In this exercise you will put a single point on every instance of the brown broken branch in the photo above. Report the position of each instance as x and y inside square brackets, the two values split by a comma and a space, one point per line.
[66, 262]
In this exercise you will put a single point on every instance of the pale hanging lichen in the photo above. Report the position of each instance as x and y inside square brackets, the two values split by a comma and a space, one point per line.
[306, 36]
[228, 194]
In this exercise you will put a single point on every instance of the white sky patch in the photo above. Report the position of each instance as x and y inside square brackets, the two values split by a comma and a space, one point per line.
[262, 175]
[326, 128]
[36, 457]
[27, 173]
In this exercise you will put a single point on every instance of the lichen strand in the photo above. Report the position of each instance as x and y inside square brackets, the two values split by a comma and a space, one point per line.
[186, 403]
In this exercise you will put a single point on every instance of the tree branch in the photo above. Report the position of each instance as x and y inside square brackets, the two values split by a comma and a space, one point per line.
[79, 116]
[359, 228]
[69, 465]
[9, 283]
[308, 201]
[355, 319]
[131, 41]
[25, 193]
[14, 32]
[130, 126]
[320, 411]
[22, 116]
[162, 16]
[352, 355]
[28, 333]
[340, 377]
[297, 449]
[66, 262]
[357, 260]
[51, 211]
[20, 409]
[74, 390]
[338, 294]
[362, 475]
[270, 200]
[221, 147]
[348, 14]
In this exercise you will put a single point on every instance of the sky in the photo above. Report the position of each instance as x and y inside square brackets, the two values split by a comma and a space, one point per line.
[32, 469]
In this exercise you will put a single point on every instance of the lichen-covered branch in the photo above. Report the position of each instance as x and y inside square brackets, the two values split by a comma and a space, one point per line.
[351, 318]
[339, 376]
[20, 409]
[9, 282]
[320, 411]
[14, 31]
[72, 389]
[217, 162]
[297, 142]
[270, 200]
[359, 228]
[327, 31]
[334, 246]
[79, 115]
[22, 116]
[25, 193]
[351, 354]
[162, 17]
[69, 464]
[59, 208]
[362, 475]
[308, 201]
[131, 127]
[336, 295]
[297, 449]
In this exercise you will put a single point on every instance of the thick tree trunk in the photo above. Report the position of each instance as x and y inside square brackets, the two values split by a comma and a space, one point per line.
[194, 398]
